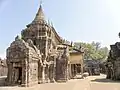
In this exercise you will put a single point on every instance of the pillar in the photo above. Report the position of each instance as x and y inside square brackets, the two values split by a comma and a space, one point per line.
[39, 73]
[51, 73]
[47, 74]
[43, 74]
[82, 64]
[25, 73]
[9, 74]
[69, 71]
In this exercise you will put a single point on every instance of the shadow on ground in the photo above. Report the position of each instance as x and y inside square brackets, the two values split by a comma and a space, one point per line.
[2, 81]
[105, 80]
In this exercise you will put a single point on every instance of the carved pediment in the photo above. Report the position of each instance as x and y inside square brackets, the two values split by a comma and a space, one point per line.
[115, 50]
[17, 49]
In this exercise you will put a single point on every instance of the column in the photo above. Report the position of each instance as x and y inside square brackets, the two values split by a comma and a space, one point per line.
[51, 73]
[39, 73]
[24, 73]
[43, 74]
[9, 75]
[47, 74]
[70, 71]
[54, 69]
[82, 65]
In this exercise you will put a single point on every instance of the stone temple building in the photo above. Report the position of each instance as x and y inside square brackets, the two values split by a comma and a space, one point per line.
[39, 56]
[113, 62]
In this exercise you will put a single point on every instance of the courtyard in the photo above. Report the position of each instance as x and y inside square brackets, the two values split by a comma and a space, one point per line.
[88, 83]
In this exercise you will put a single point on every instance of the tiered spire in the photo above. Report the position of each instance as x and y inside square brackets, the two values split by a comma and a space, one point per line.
[40, 15]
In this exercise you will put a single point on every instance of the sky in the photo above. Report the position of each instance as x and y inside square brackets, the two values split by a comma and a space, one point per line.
[74, 20]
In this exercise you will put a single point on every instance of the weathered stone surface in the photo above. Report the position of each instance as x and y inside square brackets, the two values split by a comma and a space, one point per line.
[22, 61]
[35, 54]
[62, 66]
[113, 62]
[36, 57]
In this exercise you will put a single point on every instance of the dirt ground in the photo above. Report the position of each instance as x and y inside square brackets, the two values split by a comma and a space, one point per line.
[89, 83]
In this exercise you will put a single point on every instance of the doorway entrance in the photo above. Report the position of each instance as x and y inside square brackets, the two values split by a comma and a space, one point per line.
[20, 75]
[17, 75]
[76, 69]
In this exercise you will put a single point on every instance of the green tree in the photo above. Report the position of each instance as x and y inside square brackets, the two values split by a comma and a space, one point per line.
[93, 50]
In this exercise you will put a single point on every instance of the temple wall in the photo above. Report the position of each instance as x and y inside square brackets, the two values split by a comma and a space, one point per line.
[113, 62]
[76, 58]
[33, 71]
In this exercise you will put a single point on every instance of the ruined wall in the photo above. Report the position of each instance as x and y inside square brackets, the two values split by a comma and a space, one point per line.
[3, 68]
[113, 62]
[76, 58]
[33, 71]
[62, 65]
[22, 60]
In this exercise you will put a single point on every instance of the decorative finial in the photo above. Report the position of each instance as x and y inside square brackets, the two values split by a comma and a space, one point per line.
[40, 15]
[17, 37]
[48, 22]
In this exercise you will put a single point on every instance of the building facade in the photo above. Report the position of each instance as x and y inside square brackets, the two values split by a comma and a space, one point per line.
[39, 56]
[76, 63]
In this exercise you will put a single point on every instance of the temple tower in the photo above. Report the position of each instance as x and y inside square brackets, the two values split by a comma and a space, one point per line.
[45, 38]
[41, 33]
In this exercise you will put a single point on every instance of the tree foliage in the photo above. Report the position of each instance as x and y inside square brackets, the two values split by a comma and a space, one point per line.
[93, 51]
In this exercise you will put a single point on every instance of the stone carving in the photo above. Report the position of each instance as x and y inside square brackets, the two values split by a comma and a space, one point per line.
[22, 61]
[35, 58]
[35, 54]
[62, 66]
[113, 62]
[110, 73]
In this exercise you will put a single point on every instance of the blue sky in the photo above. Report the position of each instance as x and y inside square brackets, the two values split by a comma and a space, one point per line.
[74, 20]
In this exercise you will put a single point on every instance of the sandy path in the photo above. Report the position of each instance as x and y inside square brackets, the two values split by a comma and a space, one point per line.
[89, 83]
